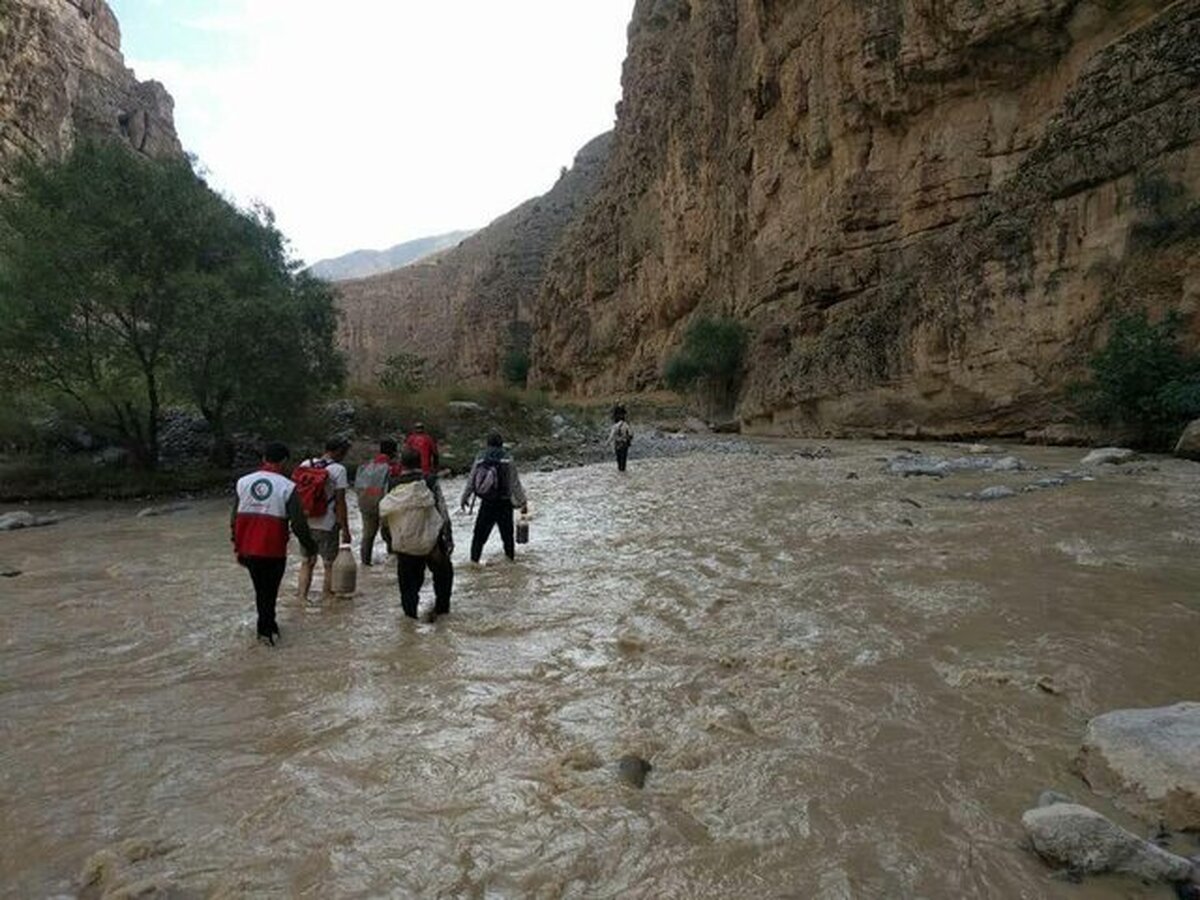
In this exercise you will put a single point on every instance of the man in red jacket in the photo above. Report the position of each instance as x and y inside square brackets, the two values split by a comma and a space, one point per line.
[424, 443]
[266, 502]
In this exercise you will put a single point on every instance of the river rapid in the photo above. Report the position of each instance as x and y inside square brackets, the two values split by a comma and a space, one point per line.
[847, 687]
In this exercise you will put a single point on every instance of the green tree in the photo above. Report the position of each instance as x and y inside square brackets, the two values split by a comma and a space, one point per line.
[126, 282]
[1143, 379]
[709, 364]
[261, 349]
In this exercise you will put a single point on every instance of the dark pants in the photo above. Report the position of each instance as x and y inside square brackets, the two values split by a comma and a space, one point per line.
[266, 572]
[370, 526]
[410, 570]
[622, 457]
[498, 513]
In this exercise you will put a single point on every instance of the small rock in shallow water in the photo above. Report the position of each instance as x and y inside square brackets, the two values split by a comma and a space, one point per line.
[15, 520]
[999, 492]
[164, 510]
[633, 770]
[1087, 842]
[1110, 456]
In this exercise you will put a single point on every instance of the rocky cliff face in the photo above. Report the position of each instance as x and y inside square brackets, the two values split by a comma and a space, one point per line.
[925, 212]
[62, 76]
[461, 309]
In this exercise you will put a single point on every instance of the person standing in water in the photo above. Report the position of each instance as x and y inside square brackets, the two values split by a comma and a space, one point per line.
[495, 482]
[266, 502]
[322, 483]
[426, 445]
[372, 480]
[421, 534]
[621, 436]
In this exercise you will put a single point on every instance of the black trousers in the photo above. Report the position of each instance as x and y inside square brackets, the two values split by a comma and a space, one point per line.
[622, 457]
[410, 571]
[267, 573]
[493, 513]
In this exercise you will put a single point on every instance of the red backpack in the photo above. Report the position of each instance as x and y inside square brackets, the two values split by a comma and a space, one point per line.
[311, 479]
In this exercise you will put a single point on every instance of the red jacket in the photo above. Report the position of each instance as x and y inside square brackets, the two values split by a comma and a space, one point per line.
[425, 445]
[260, 525]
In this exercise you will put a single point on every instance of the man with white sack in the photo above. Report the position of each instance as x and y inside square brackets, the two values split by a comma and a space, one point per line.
[421, 538]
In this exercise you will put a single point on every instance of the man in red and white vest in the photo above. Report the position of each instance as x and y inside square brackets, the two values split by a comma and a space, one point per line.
[266, 502]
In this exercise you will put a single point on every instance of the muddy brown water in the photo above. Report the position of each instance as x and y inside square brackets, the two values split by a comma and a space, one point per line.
[846, 687]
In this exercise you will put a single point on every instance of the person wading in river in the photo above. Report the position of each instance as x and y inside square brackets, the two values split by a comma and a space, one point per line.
[621, 436]
[322, 483]
[266, 502]
[372, 480]
[495, 482]
[421, 535]
[426, 445]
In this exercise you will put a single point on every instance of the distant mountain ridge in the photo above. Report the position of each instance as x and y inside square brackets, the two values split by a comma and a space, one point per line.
[362, 263]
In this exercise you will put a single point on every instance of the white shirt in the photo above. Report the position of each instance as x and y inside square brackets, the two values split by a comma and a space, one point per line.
[338, 480]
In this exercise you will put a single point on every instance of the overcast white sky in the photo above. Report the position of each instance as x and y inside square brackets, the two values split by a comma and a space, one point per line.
[364, 123]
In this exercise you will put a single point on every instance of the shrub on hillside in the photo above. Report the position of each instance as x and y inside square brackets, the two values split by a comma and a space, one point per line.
[709, 364]
[403, 372]
[516, 367]
[1143, 380]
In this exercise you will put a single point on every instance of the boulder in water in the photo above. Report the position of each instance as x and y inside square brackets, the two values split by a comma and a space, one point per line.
[632, 770]
[1088, 843]
[919, 465]
[1188, 446]
[15, 520]
[1110, 456]
[1148, 760]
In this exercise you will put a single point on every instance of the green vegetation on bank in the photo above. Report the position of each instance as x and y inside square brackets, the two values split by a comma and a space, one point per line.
[709, 364]
[1143, 380]
[127, 286]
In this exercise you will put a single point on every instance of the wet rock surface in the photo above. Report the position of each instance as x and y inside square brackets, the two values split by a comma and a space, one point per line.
[1088, 843]
[1188, 445]
[1110, 456]
[16, 520]
[166, 509]
[1149, 761]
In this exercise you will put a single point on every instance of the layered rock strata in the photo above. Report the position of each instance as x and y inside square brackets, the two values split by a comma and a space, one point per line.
[462, 309]
[62, 77]
[926, 213]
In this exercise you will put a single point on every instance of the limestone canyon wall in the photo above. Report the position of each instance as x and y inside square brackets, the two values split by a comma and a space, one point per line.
[62, 76]
[458, 309]
[925, 212]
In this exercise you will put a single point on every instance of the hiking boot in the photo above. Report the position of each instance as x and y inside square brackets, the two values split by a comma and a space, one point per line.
[267, 639]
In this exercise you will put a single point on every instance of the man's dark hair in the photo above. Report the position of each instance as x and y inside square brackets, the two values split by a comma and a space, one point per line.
[410, 457]
[387, 447]
[275, 452]
[495, 439]
[335, 444]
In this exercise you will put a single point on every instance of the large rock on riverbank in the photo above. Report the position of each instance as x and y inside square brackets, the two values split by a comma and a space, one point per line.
[1188, 446]
[1089, 844]
[1149, 761]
